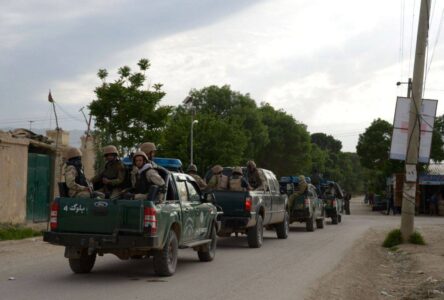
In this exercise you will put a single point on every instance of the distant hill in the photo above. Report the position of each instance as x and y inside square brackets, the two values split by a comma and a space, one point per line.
[74, 135]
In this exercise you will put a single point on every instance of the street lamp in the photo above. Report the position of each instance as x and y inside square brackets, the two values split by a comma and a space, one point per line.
[409, 86]
[191, 140]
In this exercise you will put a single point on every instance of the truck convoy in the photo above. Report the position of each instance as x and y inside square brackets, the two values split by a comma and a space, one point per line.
[181, 216]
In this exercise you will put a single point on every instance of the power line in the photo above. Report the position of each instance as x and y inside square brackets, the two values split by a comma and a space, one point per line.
[434, 48]
[411, 36]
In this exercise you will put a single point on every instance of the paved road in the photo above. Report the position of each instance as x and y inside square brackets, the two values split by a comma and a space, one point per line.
[281, 269]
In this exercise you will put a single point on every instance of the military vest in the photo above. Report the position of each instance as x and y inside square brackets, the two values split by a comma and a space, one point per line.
[235, 184]
[254, 179]
[80, 178]
[142, 186]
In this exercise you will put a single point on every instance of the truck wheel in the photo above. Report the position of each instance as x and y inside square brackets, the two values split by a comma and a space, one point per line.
[309, 225]
[283, 228]
[84, 264]
[255, 235]
[165, 260]
[210, 250]
[320, 223]
[334, 219]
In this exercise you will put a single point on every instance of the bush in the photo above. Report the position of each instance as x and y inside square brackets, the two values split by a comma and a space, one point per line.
[417, 239]
[16, 232]
[393, 238]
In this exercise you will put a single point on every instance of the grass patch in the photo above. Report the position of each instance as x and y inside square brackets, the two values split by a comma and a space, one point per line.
[416, 238]
[16, 232]
[393, 238]
[394, 248]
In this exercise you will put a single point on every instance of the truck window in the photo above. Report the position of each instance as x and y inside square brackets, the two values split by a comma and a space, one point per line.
[182, 190]
[192, 192]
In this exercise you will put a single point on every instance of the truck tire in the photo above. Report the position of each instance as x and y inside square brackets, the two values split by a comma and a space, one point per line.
[309, 225]
[320, 223]
[255, 235]
[165, 260]
[210, 251]
[283, 228]
[334, 219]
[84, 264]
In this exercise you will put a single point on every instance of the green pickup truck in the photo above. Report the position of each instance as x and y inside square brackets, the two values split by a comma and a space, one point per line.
[249, 212]
[184, 217]
[308, 209]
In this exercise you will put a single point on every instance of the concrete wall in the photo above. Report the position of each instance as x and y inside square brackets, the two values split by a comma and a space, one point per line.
[13, 178]
[58, 160]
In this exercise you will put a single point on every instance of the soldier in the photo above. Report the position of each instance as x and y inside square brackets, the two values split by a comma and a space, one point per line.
[78, 185]
[143, 176]
[218, 181]
[111, 179]
[256, 178]
[192, 170]
[299, 190]
[150, 151]
[237, 181]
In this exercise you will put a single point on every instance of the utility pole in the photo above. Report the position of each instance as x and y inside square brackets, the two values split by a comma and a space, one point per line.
[30, 125]
[409, 198]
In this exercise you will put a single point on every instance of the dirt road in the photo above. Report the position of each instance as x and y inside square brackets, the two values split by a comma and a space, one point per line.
[281, 269]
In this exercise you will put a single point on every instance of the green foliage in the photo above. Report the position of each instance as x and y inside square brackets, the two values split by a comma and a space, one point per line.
[393, 239]
[16, 232]
[437, 151]
[416, 238]
[288, 152]
[126, 114]
[326, 142]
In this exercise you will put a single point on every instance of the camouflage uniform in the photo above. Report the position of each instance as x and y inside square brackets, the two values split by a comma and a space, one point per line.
[115, 171]
[300, 190]
[78, 185]
[143, 178]
[256, 177]
[192, 171]
[237, 182]
[218, 181]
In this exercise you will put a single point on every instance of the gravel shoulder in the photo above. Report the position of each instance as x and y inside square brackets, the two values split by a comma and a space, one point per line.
[369, 271]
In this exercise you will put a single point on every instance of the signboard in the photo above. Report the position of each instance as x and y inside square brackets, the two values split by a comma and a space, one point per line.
[398, 149]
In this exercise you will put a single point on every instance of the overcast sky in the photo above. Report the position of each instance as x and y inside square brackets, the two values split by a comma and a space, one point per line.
[333, 65]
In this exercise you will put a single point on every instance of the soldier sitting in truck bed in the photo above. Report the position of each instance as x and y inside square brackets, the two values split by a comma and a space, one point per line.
[143, 176]
[299, 190]
[218, 181]
[256, 178]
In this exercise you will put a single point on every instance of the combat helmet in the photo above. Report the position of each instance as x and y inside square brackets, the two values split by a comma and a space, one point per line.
[140, 153]
[251, 164]
[148, 147]
[192, 168]
[72, 152]
[110, 149]
[237, 170]
[217, 169]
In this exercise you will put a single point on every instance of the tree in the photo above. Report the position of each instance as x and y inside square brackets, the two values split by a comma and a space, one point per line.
[127, 113]
[326, 142]
[288, 151]
[437, 151]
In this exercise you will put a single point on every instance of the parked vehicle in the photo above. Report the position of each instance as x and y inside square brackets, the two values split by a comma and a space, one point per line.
[179, 217]
[307, 208]
[250, 211]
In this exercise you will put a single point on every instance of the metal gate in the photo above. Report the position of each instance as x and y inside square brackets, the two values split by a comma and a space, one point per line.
[39, 178]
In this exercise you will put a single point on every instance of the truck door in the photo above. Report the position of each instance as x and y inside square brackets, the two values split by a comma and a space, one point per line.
[188, 217]
[201, 212]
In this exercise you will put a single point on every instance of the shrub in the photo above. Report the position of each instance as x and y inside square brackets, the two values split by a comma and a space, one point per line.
[16, 232]
[417, 239]
[393, 238]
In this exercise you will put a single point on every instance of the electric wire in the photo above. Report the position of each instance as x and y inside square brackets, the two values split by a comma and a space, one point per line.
[411, 37]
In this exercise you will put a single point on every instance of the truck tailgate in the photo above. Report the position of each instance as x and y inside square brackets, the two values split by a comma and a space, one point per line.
[99, 216]
[232, 203]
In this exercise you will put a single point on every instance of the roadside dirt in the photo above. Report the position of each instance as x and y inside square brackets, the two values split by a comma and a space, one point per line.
[370, 271]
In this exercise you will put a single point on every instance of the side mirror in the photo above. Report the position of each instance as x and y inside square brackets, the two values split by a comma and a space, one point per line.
[209, 198]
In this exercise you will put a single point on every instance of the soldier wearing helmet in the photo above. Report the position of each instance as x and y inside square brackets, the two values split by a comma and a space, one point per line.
[143, 176]
[301, 189]
[150, 151]
[111, 179]
[237, 182]
[192, 170]
[218, 181]
[78, 185]
[256, 178]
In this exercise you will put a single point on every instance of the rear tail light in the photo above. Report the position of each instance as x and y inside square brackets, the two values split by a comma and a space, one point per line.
[307, 202]
[150, 220]
[248, 204]
[53, 222]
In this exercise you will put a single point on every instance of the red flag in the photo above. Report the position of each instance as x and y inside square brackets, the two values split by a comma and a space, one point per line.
[50, 97]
